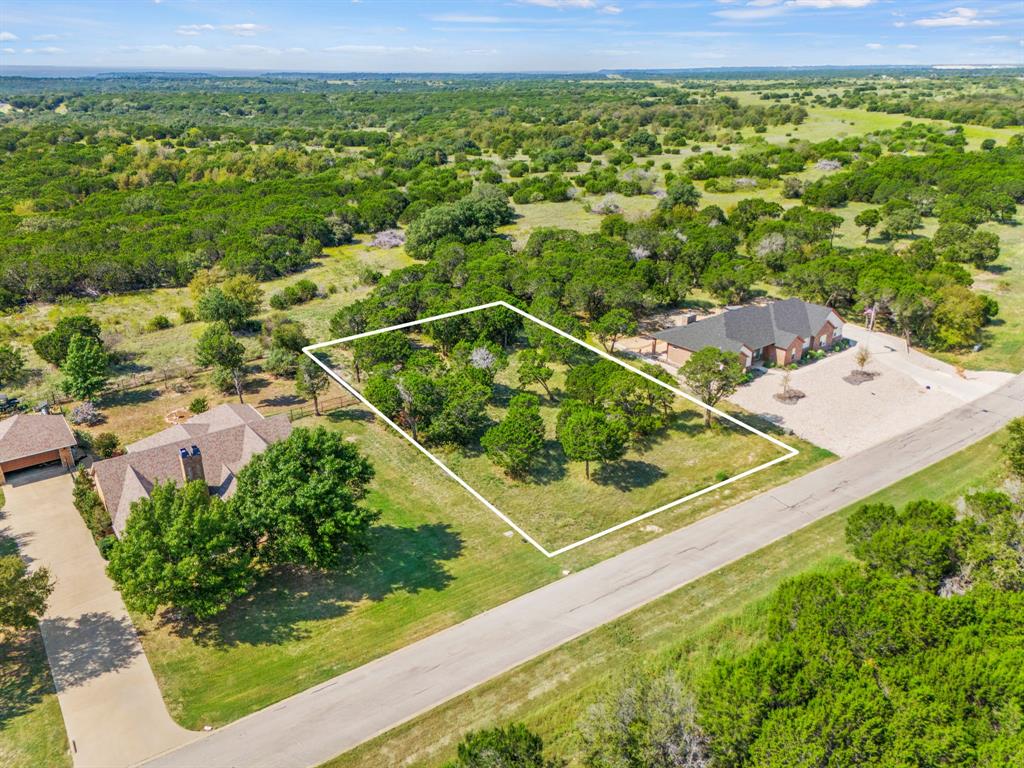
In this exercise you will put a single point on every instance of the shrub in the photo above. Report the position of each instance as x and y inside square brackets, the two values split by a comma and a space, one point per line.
[106, 445]
[368, 276]
[199, 405]
[187, 315]
[298, 293]
[87, 502]
[106, 546]
[158, 323]
[86, 413]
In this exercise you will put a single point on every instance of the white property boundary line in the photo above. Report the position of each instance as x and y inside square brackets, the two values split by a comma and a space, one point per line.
[790, 451]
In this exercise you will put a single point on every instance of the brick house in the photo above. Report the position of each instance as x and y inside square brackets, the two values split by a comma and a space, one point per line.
[213, 446]
[32, 439]
[780, 333]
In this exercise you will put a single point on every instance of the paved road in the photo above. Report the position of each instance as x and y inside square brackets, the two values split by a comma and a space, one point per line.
[112, 708]
[335, 716]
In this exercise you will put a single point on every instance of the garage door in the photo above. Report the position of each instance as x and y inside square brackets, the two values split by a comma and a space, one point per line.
[30, 461]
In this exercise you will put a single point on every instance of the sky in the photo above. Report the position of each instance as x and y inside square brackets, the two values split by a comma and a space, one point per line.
[514, 35]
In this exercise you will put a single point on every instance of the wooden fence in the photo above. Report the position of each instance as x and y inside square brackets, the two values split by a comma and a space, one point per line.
[327, 405]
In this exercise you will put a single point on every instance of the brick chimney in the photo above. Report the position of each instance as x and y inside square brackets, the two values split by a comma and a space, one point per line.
[191, 464]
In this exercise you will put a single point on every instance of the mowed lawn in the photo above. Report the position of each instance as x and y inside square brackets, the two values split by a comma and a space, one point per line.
[437, 557]
[719, 614]
[556, 504]
[31, 726]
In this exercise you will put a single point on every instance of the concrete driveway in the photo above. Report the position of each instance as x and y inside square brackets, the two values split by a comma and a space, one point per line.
[112, 707]
[907, 391]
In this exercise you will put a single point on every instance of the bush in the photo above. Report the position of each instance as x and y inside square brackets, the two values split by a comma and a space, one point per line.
[87, 502]
[158, 323]
[282, 362]
[106, 445]
[369, 276]
[187, 315]
[199, 405]
[106, 546]
[86, 413]
[298, 293]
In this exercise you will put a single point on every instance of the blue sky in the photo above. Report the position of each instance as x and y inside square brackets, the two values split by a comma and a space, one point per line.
[515, 35]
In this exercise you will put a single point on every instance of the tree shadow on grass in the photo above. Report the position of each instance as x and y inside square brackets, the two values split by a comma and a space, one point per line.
[628, 474]
[139, 396]
[551, 464]
[24, 678]
[354, 413]
[279, 607]
[92, 645]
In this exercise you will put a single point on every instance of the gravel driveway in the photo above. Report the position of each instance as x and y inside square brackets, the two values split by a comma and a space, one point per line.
[906, 391]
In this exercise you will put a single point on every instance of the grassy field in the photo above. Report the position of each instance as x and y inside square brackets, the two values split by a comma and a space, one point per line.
[438, 557]
[31, 727]
[719, 613]
[557, 504]
[124, 317]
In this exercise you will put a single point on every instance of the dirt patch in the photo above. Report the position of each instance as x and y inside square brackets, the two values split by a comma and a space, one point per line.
[859, 376]
[178, 416]
[790, 396]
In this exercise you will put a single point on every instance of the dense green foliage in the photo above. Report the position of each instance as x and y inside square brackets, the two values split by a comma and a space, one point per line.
[297, 503]
[23, 595]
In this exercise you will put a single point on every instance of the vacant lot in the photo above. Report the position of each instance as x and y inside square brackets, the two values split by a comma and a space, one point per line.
[557, 503]
[721, 613]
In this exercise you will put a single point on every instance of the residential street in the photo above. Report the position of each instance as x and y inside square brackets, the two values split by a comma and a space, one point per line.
[112, 707]
[324, 721]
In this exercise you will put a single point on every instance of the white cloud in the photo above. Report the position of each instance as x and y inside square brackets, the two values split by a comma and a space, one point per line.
[5, 36]
[377, 49]
[907, 46]
[764, 9]
[614, 10]
[260, 50]
[955, 17]
[239, 30]
[47, 50]
[462, 18]
[562, 3]
[41, 38]
[873, 46]
[243, 30]
[191, 30]
[6, 50]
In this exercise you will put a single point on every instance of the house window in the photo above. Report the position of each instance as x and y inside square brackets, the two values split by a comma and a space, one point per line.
[823, 341]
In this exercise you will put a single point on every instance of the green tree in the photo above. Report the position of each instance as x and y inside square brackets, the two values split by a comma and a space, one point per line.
[12, 363]
[900, 221]
[613, 325]
[311, 381]
[731, 279]
[53, 346]
[958, 317]
[868, 219]
[23, 595]
[461, 413]
[298, 501]
[85, 369]
[1013, 449]
[916, 542]
[680, 192]
[219, 348]
[390, 348]
[587, 435]
[183, 548]
[533, 369]
[512, 746]
[712, 374]
[516, 443]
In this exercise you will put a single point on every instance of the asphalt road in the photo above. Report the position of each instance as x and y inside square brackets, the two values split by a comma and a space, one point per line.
[315, 725]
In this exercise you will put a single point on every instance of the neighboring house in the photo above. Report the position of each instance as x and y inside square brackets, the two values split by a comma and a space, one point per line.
[30, 439]
[780, 333]
[211, 446]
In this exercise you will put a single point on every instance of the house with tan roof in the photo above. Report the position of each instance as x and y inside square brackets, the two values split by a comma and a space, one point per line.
[31, 439]
[211, 446]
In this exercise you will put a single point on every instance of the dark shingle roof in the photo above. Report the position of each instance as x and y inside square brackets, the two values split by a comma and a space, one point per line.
[27, 434]
[752, 327]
